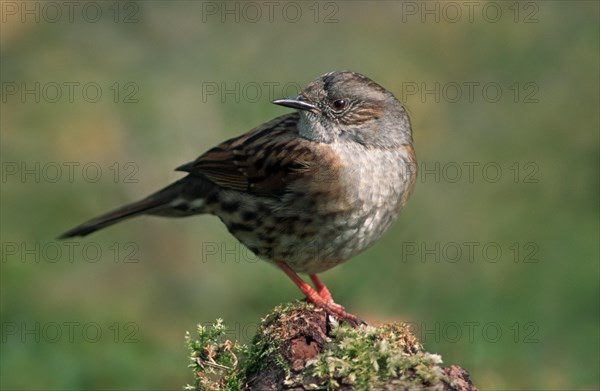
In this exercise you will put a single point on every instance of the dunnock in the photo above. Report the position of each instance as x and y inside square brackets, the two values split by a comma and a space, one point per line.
[305, 191]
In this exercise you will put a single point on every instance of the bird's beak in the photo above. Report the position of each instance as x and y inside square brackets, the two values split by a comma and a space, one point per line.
[297, 102]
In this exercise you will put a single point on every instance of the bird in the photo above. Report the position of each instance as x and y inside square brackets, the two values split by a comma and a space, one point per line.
[305, 191]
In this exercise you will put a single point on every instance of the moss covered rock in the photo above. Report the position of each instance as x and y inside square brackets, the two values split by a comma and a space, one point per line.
[300, 347]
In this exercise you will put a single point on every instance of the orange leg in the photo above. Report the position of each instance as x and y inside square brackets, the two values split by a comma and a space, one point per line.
[321, 288]
[314, 297]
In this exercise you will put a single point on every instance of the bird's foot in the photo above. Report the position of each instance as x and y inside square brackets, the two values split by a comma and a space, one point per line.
[321, 297]
[340, 312]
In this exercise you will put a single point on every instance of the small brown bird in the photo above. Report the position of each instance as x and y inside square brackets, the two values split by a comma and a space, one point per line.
[305, 191]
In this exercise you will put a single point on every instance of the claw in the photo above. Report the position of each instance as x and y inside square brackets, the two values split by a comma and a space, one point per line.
[320, 297]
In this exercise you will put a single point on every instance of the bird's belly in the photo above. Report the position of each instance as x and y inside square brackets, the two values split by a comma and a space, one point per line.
[314, 243]
[313, 231]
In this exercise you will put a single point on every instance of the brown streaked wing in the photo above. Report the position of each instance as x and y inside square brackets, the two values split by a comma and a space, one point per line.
[262, 161]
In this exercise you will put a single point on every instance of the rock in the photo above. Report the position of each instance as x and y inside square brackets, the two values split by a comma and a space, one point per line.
[300, 347]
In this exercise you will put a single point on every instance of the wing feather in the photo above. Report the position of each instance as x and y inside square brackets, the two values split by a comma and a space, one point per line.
[265, 160]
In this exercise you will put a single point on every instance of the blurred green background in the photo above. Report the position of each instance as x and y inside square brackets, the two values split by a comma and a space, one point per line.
[76, 316]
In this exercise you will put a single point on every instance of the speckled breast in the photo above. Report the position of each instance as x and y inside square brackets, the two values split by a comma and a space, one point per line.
[324, 220]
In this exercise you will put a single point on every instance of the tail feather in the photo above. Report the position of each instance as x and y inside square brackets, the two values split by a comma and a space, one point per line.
[113, 217]
[151, 204]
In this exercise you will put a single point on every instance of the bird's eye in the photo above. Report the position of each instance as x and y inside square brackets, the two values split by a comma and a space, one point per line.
[338, 104]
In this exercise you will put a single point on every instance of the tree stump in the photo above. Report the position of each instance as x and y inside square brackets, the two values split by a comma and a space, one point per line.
[300, 347]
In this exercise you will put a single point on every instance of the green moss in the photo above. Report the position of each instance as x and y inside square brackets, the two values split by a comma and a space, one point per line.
[219, 364]
[385, 357]
[214, 360]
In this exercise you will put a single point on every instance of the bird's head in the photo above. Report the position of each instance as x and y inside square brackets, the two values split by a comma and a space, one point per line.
[349, 107]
